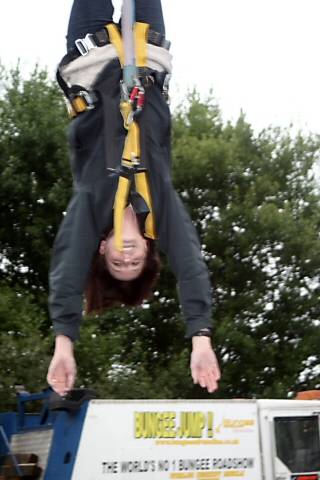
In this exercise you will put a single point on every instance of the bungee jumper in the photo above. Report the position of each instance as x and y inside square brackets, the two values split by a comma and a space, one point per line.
[124, 207]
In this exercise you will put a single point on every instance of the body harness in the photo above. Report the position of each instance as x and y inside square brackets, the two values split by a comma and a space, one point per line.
[132, 177]
[131, 105]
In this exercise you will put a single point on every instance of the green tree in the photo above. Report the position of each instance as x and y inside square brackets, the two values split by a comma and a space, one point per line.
[255, 204]
[34, 174]
[23, 348]
[257, 208]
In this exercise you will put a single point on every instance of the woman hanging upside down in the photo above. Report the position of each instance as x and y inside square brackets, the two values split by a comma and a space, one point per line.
[124, 206]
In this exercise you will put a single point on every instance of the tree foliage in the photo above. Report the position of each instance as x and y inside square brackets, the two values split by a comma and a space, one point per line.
[34, 174]
[255, 203]
[24, 352]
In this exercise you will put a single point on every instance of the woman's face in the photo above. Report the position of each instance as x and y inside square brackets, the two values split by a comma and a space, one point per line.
[128, 264]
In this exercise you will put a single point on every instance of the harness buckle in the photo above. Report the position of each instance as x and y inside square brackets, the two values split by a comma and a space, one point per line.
[84, 45]
[83, 101]
[88, 98]
[124, 92]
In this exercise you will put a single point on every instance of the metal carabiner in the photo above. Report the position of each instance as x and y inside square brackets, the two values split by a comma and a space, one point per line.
[124, 92]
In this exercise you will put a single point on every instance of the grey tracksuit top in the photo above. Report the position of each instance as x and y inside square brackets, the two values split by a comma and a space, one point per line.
[97, 139]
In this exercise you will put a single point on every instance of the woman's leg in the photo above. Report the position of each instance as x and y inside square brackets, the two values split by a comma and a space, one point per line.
[150, 11]
[88, 16]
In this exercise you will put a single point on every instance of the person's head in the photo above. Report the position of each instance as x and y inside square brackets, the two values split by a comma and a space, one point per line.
[129, 263]
[126, 277]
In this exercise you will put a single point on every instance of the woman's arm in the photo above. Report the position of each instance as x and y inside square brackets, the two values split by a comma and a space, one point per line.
[74, 247]
[178, 239]
[76, 243]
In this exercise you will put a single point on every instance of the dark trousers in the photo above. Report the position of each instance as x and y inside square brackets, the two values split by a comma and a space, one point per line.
[89, 16]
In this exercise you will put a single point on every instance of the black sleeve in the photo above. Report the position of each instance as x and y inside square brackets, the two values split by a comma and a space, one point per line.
[179, 240]
[88, 215]
[177, 235]
[74, 247]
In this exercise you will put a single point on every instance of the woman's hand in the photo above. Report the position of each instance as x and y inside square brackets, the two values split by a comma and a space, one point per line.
[62, 369]
[204, 364]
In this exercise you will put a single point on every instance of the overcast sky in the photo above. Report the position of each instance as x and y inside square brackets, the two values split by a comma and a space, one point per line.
[261, 56]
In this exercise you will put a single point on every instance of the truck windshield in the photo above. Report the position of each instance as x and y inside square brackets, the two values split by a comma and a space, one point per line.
[298, 443]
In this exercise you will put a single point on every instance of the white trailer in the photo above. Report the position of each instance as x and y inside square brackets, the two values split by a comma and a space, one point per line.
[182, 439]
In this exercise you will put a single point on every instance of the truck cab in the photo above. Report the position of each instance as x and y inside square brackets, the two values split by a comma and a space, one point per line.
[290, 439]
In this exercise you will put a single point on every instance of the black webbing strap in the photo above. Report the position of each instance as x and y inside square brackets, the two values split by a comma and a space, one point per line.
[101, 38]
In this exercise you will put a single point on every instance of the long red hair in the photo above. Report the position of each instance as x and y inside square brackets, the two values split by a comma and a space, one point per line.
[103, 291]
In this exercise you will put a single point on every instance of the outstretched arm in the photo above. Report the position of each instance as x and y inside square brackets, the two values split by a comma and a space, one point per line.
[178, 238]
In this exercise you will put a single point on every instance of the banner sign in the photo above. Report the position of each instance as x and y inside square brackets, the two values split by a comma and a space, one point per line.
[166, 440]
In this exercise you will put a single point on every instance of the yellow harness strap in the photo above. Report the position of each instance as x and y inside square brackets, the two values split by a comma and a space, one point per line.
[141, 31]
[116, 40]
[142, 187]
[132, 144]
[131, 152]
[120, 203]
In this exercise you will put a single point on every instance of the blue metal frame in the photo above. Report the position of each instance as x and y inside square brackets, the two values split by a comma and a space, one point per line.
[42, 419]
[65, 443]
[66, 426]
[5, 440]
[8, 421]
